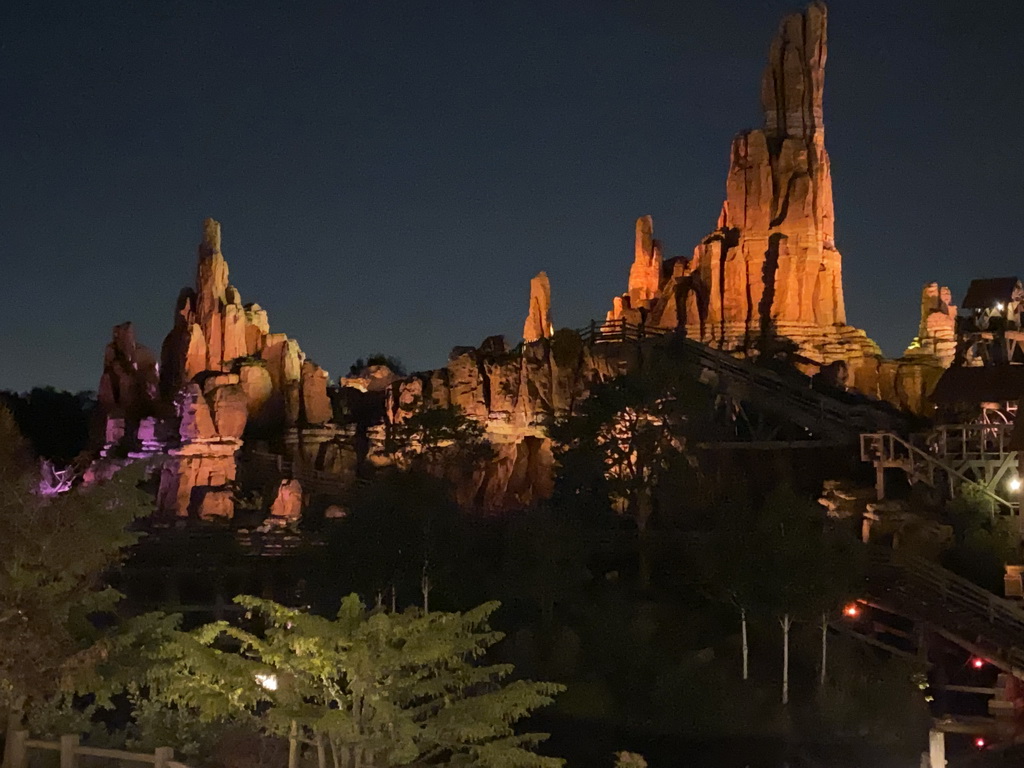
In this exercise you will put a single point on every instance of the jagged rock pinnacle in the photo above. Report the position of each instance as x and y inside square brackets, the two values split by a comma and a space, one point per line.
[211, 237]
[793, 81]
[538, 320]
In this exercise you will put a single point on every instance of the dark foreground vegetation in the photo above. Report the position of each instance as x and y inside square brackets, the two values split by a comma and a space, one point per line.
[677, 611]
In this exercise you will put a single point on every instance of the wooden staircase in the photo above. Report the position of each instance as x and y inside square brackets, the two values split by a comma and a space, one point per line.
[941, 467]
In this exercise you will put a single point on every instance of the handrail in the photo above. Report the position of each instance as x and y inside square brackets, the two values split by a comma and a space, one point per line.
[608, 331]
[885, 444]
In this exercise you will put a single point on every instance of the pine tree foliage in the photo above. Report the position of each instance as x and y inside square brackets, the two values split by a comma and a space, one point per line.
[373, 688]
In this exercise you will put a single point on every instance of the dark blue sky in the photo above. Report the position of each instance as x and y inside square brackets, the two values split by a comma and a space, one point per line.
[389, 175]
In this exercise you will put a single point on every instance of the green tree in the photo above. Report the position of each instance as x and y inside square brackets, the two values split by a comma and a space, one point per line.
[808, 570]
[983, 541]
[56, 551]
[434, 439]
[627, 436]
[56, 423]
[373, 688]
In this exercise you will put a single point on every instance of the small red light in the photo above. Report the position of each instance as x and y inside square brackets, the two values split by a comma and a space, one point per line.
[851, 611]
[977, 663]
[979, 742]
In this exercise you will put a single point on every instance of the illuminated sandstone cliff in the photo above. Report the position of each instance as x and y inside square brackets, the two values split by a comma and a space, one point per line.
[221, 368]
[770, 270]
[768, 279]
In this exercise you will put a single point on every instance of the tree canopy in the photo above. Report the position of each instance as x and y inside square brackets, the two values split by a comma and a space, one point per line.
[375, 688]
[56, 552]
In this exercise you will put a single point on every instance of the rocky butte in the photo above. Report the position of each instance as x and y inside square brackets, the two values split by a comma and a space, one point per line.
[222, 374]
[768, 278]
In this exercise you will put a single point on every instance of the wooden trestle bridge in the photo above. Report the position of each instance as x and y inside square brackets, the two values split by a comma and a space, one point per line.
[950, 455]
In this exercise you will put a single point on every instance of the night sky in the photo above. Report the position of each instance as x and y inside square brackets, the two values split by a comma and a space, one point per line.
[389, 175]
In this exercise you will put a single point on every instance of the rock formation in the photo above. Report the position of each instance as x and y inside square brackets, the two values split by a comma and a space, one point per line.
[221, 369]
[538, 321]
[645, 273]
[767, 282]
[936, 334]
[768, 279]
[770, 271]
[128, 391]
[515, 395]
[287, 506]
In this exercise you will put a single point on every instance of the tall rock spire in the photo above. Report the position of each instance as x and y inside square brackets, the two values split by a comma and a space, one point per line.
[645, 274]
[538, 319]
[772, 267]
[770, 271]
[793, 81]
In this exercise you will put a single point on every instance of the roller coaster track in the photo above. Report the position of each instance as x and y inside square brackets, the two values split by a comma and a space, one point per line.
[828, 414]
[973, 618]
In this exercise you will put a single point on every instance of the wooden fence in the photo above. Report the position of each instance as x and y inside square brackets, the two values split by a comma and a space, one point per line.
[69, 750]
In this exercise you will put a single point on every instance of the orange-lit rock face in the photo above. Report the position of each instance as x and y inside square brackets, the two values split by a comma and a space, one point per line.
[515, 397]
[538, 321]
[220, 369]
[772, 265]
[315, 402]
[770, 270]
[936, 334]
[214, 331]
[645, 273]
[287, 504]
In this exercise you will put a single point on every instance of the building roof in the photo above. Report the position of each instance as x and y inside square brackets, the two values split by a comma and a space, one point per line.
[986, 383]
[983, 294]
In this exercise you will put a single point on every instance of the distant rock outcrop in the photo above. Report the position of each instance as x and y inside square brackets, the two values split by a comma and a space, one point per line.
[129, 389]
[538, 320]
[221, 369]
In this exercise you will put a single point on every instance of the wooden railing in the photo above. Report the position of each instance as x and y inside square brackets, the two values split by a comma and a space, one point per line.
[610, 331]
[964, 442]
[70, 750]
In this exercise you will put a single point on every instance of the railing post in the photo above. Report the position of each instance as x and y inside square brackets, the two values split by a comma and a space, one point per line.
[16, 753]
[162, 756]
[936, 749]
[68, 749]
